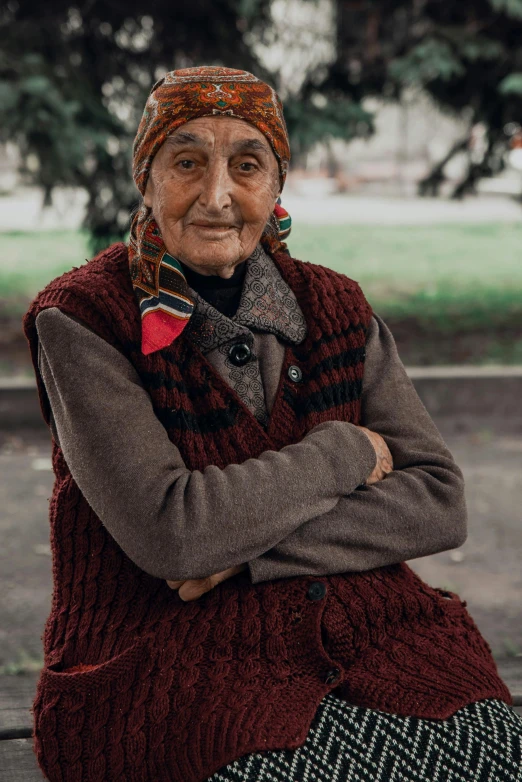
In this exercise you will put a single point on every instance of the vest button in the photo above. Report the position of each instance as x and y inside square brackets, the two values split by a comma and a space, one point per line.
[316, 590]
[295, 373]
[239, 354]
[332, 676]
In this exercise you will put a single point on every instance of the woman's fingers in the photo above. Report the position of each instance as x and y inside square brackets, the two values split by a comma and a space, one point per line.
[384, 464]
[175, 584]
[191, 589]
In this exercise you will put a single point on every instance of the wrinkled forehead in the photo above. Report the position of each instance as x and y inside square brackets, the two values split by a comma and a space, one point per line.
[220, 135]
[218, 93]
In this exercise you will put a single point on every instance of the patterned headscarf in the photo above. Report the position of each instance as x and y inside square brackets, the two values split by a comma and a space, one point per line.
[159, 283]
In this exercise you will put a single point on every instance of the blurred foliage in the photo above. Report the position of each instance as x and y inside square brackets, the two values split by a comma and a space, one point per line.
[74, 80]
[467, 56]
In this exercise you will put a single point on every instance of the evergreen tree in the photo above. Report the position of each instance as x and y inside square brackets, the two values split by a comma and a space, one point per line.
[74, 80]
[466, 55]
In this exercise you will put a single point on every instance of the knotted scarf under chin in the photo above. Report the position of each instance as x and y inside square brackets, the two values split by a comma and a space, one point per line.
[160, 286]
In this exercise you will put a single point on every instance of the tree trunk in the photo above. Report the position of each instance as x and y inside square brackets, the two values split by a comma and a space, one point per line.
[430, 185]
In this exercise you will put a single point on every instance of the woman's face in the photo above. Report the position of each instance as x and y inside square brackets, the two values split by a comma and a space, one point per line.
[212, 187]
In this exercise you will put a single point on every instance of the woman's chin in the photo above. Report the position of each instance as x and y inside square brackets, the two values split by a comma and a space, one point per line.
[220, 252]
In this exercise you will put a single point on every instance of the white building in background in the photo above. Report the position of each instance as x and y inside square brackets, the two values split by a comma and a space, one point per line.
[410, 137]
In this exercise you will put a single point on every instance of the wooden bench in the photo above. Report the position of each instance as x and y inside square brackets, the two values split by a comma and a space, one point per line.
[18, 761]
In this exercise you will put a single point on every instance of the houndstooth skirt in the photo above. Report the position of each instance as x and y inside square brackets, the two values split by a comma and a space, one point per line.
[481, 742]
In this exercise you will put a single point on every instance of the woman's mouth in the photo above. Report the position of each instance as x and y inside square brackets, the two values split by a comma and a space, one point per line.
[210, 227]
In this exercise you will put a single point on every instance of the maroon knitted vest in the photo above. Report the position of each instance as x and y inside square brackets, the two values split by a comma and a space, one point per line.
[179, 690]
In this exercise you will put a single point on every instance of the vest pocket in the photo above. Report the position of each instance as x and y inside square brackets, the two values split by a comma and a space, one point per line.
[80, 718]
[451, 606]
[445, 594]
[55, 678]
[449, 600]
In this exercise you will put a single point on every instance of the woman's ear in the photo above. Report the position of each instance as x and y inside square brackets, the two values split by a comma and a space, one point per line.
[147, 198]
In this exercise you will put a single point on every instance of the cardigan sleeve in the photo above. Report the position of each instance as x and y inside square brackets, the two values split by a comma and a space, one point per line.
[416, 510]
[163, 515]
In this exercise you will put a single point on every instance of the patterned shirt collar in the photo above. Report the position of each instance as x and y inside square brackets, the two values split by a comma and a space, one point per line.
[267, 304]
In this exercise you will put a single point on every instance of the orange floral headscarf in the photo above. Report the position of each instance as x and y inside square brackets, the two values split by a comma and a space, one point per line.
[158, 281]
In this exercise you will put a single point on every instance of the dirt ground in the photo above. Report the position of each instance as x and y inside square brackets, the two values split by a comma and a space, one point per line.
[485, 571]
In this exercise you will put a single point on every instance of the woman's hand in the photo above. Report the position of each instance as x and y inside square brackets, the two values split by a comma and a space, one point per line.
[193, 588]
[384, 458]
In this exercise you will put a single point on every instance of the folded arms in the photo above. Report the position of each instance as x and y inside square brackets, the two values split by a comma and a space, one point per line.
[289, 512]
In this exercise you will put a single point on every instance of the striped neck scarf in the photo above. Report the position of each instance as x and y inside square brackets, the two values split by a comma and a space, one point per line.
[159, 283]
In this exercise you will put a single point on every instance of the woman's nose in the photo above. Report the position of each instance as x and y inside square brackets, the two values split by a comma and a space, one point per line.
[217, 184]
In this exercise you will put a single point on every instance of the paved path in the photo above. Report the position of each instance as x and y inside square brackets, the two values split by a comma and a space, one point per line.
[311, 202]
[485, 571]
[373, 210]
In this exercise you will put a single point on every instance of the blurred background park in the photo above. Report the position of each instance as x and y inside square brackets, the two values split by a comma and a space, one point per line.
[404, 119]
[405, 125]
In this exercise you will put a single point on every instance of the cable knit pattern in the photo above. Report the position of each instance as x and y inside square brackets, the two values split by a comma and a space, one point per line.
[167, 690]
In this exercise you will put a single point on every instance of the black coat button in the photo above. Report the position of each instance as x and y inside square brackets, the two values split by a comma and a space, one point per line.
[239, 354]
[316, 590]
[332, 676]
[295, 373]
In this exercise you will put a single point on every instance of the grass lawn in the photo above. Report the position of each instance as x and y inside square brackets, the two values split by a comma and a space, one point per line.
[433, 273]
[456, 277]
[30, 260]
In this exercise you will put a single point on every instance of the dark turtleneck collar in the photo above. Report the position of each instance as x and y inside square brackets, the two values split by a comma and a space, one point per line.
[199, 281]
[224, 295]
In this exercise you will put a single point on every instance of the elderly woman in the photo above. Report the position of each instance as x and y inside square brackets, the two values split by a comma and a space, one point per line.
[242, 468]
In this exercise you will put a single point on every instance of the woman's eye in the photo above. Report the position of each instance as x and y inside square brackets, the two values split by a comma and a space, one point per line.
[249, 166]
[186, 164]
